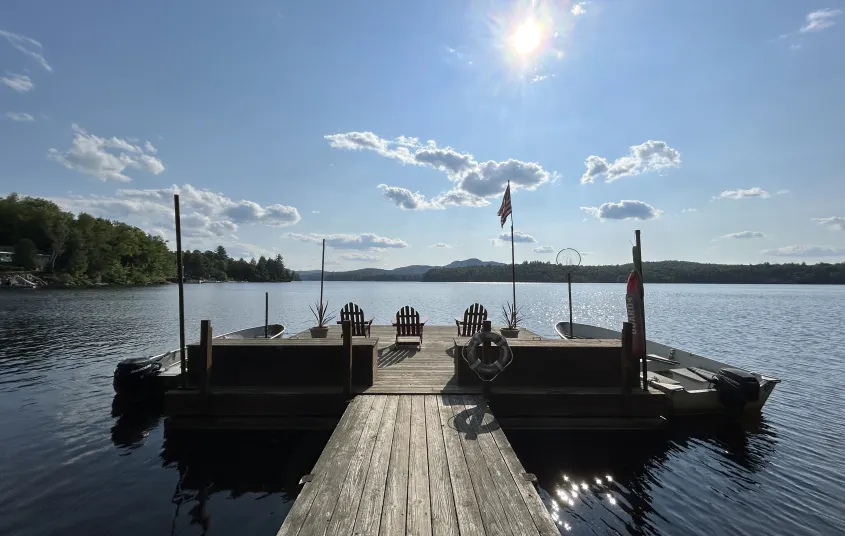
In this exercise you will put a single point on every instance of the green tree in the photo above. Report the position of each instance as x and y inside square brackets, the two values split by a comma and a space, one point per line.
[25, 254]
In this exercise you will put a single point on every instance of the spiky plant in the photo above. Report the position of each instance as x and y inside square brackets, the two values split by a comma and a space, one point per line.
[321, 313]
[512, 317]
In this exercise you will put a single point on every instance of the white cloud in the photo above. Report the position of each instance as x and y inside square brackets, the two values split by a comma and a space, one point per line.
[406, 199]
[782, 192]
[578, 9]
[150, 148]
[518, 238]
[441, 245]
[205, 214]
[834, 223]
[472, 180]
[544, 249]
[538, 78]
[19, 116]
[804, 250]
[363, 241]
[27, 46]
[643, 158]
[744, 235]
[818, 20]
[689, 210]
[105, 158]
[743, 194]
[19, 82]
[360, 257]
[624, 210]
[315, 212]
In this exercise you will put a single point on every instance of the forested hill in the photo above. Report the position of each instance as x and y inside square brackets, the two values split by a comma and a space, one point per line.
[87, 250]
[653, 272]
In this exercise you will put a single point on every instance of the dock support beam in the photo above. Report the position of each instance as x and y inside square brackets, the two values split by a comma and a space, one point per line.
[346, 327]
[204, 376]
[180, 274]
[266, 314]
[629, 369]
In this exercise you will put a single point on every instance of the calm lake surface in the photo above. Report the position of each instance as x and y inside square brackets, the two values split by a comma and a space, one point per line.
[71, 463]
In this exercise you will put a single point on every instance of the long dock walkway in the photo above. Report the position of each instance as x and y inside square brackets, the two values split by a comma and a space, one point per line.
[428, 465]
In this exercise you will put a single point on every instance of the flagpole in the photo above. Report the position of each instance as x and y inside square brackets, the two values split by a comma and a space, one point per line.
[513, 261]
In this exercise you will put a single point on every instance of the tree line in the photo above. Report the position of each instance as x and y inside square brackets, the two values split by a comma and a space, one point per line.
[219, 266]
[84, 250]
[653, 272]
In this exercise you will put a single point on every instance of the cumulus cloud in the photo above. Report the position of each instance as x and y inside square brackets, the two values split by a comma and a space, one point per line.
[472, 181]
[518, 238]
[106, 158]
[834, 223]
[820, 19]
[19, 116]
[205, 214]
[363, 241]
[744, 235]
[804, 250]
[28, 46]
[19, 82]
[406, 199]
[578, 9]
[743, 194]
[643, 158]
[441, 245]
[624, 210]
[360, 257]
[544, 249]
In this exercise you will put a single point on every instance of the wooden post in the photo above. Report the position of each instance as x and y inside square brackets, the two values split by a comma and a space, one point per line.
[569, 285]
[638, 265]
[266, 314]
[346, 328]
[204, 376]
[628, 371]
[485, 357]
[180, 274]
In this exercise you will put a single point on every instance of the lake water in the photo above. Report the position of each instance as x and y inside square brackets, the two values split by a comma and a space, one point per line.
[72, 463]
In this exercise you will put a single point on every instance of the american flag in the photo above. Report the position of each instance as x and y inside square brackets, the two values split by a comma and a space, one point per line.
[505, 209]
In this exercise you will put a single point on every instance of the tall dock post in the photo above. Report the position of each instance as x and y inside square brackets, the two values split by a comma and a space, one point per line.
[180, 274]
[346, 327]
[638, 265]
[486, 325]
[266, 314]
[629, 370]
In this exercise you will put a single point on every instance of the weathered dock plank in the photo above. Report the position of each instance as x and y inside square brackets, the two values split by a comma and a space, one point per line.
[423, 465]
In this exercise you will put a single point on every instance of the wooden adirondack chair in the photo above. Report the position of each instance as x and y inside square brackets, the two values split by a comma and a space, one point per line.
[355, 314]
[473, 318]
[408, 324]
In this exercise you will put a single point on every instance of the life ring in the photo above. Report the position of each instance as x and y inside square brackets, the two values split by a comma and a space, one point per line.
[472, 354]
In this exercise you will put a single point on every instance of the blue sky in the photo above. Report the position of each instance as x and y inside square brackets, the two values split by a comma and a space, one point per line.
[391, 127]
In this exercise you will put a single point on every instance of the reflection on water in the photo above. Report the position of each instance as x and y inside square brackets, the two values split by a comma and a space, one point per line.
[77, 461]
[636, 482]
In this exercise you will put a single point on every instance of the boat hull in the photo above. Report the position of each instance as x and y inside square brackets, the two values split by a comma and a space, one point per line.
[679, 374]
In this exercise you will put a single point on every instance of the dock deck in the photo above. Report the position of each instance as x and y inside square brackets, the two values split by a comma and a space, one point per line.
[420, 465]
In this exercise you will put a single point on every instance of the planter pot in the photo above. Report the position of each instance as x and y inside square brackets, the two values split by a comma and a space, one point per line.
[510, 333]
[319, 332]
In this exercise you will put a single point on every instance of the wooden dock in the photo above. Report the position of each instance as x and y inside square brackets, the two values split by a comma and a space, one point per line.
[426, 465]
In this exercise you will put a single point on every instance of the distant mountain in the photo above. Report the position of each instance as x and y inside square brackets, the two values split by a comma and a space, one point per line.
[413, 272]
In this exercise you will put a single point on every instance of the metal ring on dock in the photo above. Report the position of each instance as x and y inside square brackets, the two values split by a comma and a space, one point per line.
[487, 371]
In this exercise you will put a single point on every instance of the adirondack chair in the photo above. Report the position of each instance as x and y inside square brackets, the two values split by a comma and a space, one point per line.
[473, 317]
[355, 314]
[408, 324]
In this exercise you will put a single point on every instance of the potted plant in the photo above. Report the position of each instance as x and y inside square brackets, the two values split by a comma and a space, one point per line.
[320, 313]
[513, 318]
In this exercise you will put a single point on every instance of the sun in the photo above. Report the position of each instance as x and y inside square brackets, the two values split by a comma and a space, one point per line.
[526, 39]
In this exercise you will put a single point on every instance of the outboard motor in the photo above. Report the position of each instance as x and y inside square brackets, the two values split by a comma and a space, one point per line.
[133, 376]
[736, 388]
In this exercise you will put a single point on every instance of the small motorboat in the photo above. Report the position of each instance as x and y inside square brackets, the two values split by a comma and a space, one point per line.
[140, 376]
[695, 385]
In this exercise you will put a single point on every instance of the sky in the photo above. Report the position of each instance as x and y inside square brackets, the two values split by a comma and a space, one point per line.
[392, 128]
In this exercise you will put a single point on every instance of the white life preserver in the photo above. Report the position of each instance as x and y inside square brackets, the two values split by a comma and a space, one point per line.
[472, 354]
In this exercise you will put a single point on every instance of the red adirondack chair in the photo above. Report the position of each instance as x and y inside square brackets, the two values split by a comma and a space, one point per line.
[408, 324]
[472, 322]
[355, 315]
